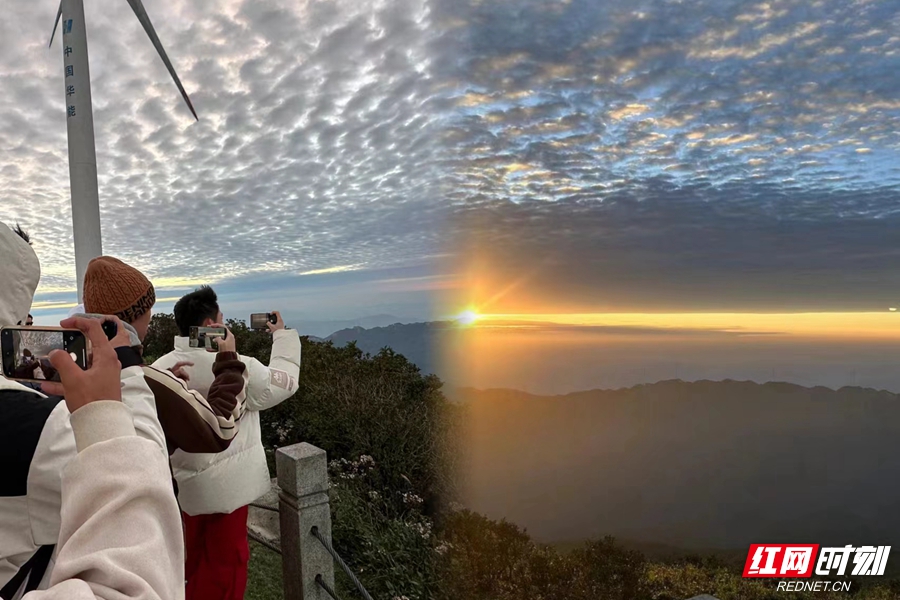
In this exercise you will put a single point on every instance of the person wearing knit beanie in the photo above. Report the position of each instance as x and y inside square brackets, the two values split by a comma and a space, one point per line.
[112, 287]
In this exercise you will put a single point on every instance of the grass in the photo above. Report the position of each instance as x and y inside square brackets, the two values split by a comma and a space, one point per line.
[264, 577]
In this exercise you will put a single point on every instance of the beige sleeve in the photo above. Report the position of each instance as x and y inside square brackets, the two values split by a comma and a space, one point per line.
[139, 399]
[121, 531]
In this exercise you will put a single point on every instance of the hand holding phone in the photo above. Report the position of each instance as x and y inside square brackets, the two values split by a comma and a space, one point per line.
[225, 343]
[115, 332]
[260, 321]
[100, 382]
[276, 324]
[202, 337]
[25, 351]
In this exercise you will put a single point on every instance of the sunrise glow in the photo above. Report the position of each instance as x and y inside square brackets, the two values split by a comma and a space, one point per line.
[858, 325]
[468, 317]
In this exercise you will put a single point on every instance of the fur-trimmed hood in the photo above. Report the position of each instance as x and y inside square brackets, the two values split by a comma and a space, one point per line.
[20, 273]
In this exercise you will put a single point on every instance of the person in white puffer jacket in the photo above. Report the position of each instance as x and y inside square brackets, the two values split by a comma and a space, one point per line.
[215, 490]
[39, 443]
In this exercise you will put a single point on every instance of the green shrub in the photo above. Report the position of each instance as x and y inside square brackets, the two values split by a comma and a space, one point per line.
[385, 427]
[160, 337]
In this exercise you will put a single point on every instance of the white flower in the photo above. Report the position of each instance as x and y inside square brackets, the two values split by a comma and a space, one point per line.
[443, 548]
[374, 495]
[412, 499]
[422, 528]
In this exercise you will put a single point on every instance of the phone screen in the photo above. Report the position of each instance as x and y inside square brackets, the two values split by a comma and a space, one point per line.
[258, 320]
[26, 352]
[201, 337]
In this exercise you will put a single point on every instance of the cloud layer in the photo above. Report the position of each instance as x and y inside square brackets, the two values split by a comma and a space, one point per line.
[708, 155]
[680, 156]
[314, 151]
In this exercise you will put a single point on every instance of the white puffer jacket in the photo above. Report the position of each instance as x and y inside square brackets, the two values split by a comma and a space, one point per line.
[224, 482]
[30, 521]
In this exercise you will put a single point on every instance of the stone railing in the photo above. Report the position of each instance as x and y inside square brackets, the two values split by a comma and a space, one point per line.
[283, 520]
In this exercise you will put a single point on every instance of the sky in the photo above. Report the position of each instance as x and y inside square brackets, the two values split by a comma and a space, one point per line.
[651, 190]
[544, 158]
[313, 161]
[693, 156]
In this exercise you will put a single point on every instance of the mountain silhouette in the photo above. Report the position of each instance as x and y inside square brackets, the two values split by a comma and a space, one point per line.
[418, 342]
[322, 329]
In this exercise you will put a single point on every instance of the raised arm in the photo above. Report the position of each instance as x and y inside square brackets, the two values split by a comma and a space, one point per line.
[191, 422]
[269, 386]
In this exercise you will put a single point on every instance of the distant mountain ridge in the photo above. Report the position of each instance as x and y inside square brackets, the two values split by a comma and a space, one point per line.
[460, 393]
[322, 329]
[418, 342]
[704, 464]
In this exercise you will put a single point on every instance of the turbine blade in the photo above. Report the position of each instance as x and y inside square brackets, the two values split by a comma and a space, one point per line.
[138, 7]
[55, 25]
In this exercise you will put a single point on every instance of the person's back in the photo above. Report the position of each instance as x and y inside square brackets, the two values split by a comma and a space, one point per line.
[206, 481]
[23, 416]
[36, 438]
[215, 489]
[28, 418]
[120, 532]
[36, 443]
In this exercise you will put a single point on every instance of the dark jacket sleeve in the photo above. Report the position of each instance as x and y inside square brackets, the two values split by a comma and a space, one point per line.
[193, 423]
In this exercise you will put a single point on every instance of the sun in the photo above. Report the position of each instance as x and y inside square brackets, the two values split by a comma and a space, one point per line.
[467, 317]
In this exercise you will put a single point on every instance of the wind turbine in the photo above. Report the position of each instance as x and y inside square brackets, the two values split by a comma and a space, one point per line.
[80, 127]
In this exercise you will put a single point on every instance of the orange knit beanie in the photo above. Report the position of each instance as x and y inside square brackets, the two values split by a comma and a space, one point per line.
[113, 288]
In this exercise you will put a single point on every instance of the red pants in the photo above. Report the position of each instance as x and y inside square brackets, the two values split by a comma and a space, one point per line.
[217, 553]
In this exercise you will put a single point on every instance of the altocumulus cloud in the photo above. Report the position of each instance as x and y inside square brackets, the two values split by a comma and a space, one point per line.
[661, 155]
[708, 155]
[315, 148]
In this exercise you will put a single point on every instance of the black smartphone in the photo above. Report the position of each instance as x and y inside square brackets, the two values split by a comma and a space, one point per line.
[25, 351]
[202, 337]
[259, 320]
[110, 329]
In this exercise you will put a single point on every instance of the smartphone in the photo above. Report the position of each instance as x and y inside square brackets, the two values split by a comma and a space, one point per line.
[25, 351]
[259, 320]
[202, 337]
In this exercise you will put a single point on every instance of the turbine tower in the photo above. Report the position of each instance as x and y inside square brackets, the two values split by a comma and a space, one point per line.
[80, 127]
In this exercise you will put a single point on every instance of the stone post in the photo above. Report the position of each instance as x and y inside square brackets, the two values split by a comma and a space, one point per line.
[303, 503]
